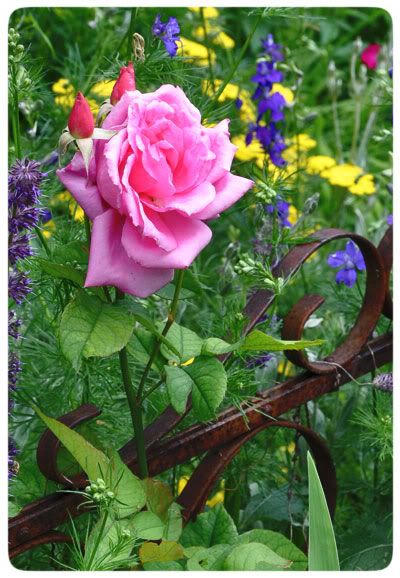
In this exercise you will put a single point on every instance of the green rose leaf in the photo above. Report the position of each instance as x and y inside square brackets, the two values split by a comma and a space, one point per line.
[163, 566]
[205, 378]
[184, 340]
[210, 528]
[279, 544]
[90, 327]
[179, 385]
[140, 347]
[259, 341]
[216, 346]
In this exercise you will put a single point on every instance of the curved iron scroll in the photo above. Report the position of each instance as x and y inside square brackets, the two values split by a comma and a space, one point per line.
[225, 435]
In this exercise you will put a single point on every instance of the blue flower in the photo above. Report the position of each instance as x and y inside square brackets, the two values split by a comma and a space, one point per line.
[350, 260]
[389, 220]
[168, 32]
[269, 104]
[272, 49]
[281, 208]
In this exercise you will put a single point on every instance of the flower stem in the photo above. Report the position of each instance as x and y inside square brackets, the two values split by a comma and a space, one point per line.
[136, 413]
[237, 61]
[157, 345]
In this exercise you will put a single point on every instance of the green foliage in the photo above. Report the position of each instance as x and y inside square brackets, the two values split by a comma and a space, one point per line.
[90, 327]
[322, 552]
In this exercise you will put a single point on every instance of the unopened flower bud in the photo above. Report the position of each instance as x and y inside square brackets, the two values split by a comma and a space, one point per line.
[80, 122]
[126, 81]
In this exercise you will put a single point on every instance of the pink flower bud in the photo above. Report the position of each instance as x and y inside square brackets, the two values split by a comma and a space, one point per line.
[369, 56]
[80, 122]
[126, 81]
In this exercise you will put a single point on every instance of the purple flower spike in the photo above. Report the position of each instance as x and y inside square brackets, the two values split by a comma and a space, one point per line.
[350, 260]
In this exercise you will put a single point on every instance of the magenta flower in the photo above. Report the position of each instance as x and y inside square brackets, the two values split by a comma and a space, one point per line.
[80, 122]
[126, 81]
[350, 260]
[369, 56]
[151, 187]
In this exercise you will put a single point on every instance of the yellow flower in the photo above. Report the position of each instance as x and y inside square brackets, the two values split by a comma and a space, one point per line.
[188, 362]
[286, 368]
[208, 11]
[103, 89]
[303, 142]
[216, 35]
[284, 91]
[74, 209]
[230, 91]
[218, 498]
[251, 152]
[197, 51]
[343, 175]
[293, 215]
[364, 186]
[48, 229]
[63, 86]
[318, 163]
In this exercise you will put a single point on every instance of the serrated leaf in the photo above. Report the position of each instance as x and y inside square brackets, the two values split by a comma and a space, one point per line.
[205, 378]
[90, 327]
[254, 556]
[279, 544]
[148, 526]
[210, 528]
[140, 347]
[75, 251]
[185, 341]
[322, 551]
[179, 385]
[163, 552]
[216, 346]
[259, 341]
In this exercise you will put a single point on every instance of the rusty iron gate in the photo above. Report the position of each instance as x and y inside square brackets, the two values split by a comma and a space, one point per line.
[220, 440]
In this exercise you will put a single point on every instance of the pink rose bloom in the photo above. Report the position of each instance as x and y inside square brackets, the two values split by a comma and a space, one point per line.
[369, 56]
[151, 187]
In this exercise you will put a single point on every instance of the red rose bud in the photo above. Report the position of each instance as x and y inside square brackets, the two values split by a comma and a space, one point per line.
[369, 56]
[126, 81]
[80, 122]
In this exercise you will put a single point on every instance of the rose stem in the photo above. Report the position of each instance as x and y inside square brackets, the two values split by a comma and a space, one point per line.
[135, 401]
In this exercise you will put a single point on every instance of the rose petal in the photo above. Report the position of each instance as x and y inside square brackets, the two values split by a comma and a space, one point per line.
[191, 237]
[228, 190]
[85, 192]
[110, 265]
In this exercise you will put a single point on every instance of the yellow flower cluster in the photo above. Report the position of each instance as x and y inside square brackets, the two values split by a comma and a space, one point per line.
[74, 209]
[344, 175]
[65, 93]
[214, 32]
[197, 52]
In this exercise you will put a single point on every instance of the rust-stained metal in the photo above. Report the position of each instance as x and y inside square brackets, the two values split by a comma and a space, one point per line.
[223, 437]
